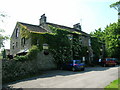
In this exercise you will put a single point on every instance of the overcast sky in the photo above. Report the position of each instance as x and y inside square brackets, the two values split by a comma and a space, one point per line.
[92, 14]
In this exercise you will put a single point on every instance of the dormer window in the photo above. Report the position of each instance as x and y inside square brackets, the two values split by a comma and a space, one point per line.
[17, 32]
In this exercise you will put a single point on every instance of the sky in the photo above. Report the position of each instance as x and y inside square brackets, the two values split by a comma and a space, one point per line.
[91, 14]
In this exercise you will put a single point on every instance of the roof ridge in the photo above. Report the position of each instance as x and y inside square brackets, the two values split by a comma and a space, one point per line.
[32, 27]
[67, 27]
[28, 24]
[60, 25]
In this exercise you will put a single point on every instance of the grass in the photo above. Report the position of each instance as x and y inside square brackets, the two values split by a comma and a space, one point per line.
[115, 84]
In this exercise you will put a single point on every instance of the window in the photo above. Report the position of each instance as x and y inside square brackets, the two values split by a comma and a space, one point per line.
[70, 36]
[23, 41]
[80, 40]
[17, 32]
[16, 44]
[38, 42]
[13, 45]
[89, 42]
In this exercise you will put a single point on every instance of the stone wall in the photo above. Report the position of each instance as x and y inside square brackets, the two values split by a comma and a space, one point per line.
[0, 74]
[16, 42]
[45, 61]
[13, 70]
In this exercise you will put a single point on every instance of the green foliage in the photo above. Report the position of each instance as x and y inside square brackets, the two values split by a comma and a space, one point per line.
[4, 53]
[24, 31]
[2, 37]
[99, 34]
[110, 37]
[13, 70]
[113, 85]
[59, 44]
[96, 45]
[77, 48]
[21, 58]
[115, 5]
[31, 55]
[1, 57]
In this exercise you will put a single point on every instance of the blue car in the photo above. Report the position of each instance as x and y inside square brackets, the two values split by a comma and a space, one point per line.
[73, 65]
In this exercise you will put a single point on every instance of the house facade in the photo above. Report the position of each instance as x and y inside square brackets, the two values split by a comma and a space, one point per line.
[19, 44]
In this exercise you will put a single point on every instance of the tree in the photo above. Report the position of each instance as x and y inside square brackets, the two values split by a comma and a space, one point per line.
[97, 41]
[2, 38]
[110, 37]
[4, 54]
[112, 34]
[116, 5]
[99, 34]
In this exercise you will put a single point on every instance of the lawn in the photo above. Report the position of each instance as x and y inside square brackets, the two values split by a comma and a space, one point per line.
[113, 84]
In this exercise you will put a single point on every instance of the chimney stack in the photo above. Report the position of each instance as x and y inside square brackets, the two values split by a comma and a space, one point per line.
[42, 20]
[77, 26]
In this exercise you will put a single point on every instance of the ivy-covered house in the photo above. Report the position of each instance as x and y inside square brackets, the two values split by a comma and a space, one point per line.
[22, 39]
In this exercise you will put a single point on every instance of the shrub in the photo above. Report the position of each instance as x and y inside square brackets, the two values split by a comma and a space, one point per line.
[32, 53]
[21, 58]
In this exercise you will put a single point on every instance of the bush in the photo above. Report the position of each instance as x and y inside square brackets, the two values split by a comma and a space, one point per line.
[32, 53]
[20, 67]
[21, 58]
[29, 56]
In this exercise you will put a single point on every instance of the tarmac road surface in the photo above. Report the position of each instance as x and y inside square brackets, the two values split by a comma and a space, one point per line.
[92, 77]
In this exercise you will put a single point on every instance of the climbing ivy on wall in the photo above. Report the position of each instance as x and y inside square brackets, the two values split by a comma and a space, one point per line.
[24, 31]
[59, 44]
[61, 47]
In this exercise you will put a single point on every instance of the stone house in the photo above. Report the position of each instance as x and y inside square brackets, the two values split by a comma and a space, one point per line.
[19, 44]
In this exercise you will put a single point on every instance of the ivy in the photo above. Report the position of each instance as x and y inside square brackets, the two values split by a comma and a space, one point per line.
[60, 46]
[23, 31]
[31, 55]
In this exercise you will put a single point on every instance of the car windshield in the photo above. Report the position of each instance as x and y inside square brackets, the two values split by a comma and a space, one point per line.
[77, 61]
[115, 59]
[109, 59]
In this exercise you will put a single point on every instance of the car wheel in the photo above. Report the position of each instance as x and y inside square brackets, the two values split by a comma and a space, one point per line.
[113, 65]
[73, 69]
[104, 65]
[61, 68]
[83, 69]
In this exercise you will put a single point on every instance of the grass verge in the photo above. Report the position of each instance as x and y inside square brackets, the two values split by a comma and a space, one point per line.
[113, 85]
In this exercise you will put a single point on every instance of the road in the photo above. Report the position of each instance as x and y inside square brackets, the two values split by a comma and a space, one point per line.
[92, 77]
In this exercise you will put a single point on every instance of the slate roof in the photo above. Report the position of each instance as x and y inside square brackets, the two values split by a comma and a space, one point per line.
[37, 28]
[68, 28]
[34, 28]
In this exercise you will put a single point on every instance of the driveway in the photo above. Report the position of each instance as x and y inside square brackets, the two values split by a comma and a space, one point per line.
[92, 77]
